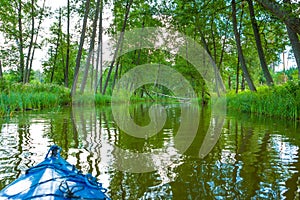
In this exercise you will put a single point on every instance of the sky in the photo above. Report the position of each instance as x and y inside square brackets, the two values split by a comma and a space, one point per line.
[41, 54]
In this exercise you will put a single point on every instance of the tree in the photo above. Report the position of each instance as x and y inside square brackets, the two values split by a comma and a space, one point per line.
[42, 11]
[79, 53]
[18, 25]
[120, 40]
[57, 45]
[259, 45]
[20, 40]
[99, 58]
[26, 70]
[239, 48]
[282, 13]
[66, 72]
[295, 42]
[91, 48]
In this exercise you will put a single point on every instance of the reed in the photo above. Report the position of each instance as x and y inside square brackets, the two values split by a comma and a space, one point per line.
[19, 97]
[280, 101]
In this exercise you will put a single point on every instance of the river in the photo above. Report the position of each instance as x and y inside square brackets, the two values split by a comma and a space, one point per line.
[253, 157]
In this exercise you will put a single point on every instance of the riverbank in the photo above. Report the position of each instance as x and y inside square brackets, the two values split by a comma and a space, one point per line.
[280, 101]
[18, 97]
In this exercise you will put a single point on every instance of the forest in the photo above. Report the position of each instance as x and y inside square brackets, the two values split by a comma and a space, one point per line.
[253, 43]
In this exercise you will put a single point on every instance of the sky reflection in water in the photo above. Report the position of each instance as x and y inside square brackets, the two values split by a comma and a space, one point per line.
[255, 157]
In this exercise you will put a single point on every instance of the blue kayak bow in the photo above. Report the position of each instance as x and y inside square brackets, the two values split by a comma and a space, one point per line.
[54, 178]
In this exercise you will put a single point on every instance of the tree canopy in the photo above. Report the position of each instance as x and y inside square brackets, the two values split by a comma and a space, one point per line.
[245, 39]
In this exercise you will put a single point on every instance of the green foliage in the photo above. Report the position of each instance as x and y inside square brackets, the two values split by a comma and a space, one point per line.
[15, 40]
[56, 62]
[280, 101]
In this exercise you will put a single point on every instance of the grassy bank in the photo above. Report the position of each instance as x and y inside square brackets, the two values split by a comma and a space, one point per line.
[19, 97]
[280, 101]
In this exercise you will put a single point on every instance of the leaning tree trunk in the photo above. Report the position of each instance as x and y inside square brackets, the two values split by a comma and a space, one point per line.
[99, 52]
[223, 46]
[259, 47]
[26, 71]
[239, 48]
[35, 41]
[80, 49]
[294, 39]
[120, 40]
[238, 61]
[219, 82]
[20, 40]
[280, 12]
[91, 49]
[66, 71]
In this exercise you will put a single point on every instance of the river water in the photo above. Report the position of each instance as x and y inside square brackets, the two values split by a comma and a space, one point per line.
[253, 157]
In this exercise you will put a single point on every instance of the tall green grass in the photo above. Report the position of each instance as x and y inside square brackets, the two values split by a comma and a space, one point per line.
[281, 101]
[20, 97]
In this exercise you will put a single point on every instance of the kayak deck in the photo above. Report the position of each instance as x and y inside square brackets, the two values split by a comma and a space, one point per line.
[54, 178]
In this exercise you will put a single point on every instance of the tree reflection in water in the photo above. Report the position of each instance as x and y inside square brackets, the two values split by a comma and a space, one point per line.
[255, 157]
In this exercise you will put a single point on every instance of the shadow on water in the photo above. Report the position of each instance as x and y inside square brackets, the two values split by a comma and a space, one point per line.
[254, 157]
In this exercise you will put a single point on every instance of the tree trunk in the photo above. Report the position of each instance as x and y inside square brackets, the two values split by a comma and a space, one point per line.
[116, 73]
[92, 70]
[80, 49]
[259, 47]
[99, 52]
[140, 45]
[237, 76]
[243, 82]
[66, 72]
[295, 43]
[280, 12]
[238, 61]
[35, 41]
[223, 47]
[20, 41]
[239, 48]
[219, 83]
[1, 72]
[91, 49]
[294, 39]
[120, 40]
[57, 47]
[62, 49]
[213, 38]
[26, 71]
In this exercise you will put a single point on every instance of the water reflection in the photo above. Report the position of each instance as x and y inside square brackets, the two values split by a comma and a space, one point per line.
[255, 157]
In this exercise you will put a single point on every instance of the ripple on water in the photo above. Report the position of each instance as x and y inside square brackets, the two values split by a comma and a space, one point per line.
[252, 159]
